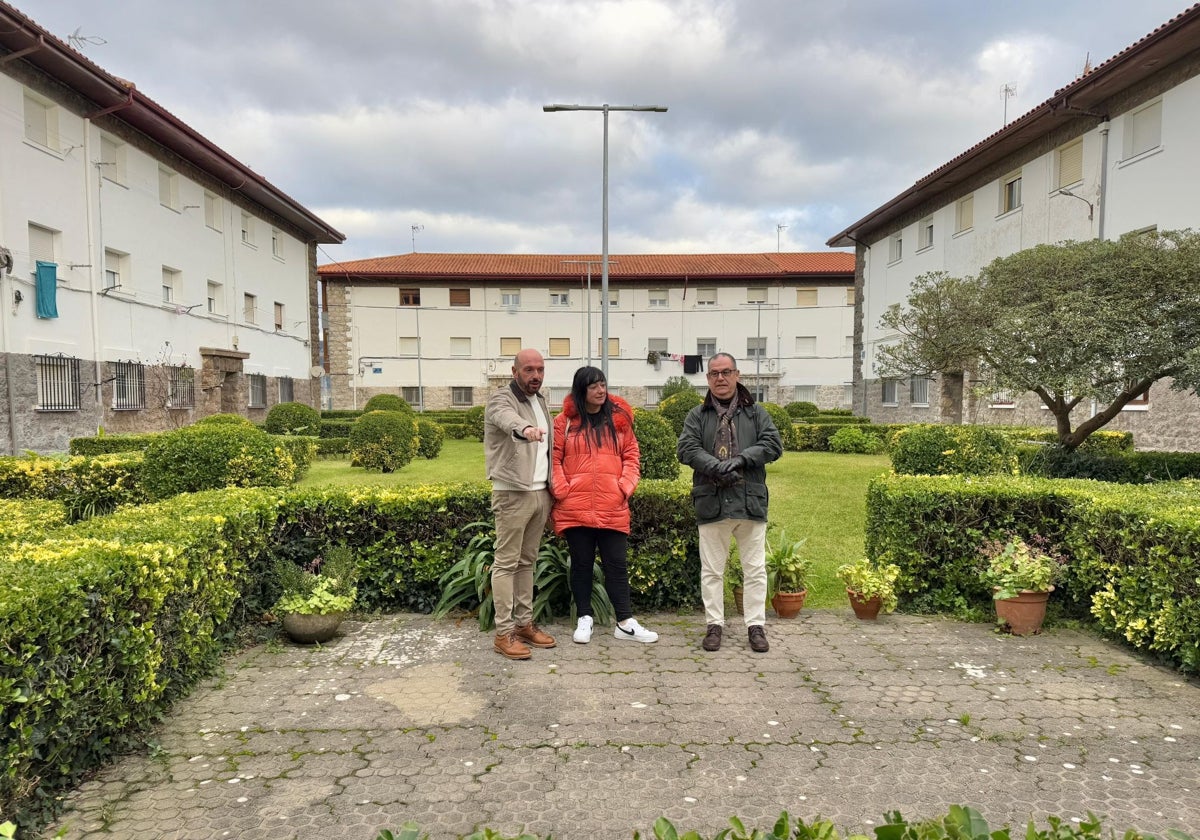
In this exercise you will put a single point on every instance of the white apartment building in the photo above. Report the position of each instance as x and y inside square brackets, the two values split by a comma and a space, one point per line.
[147, 278]
[441, 330]
[1114, 151]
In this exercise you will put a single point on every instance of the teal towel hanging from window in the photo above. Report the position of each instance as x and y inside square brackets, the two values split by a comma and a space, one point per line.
[46, 289]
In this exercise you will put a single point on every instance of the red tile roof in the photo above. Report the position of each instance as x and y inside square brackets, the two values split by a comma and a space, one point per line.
[627, 266]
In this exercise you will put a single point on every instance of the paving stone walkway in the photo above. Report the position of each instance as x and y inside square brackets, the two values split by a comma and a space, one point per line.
[407, 718]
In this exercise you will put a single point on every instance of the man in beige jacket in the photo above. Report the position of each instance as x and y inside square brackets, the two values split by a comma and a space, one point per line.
[517, 442]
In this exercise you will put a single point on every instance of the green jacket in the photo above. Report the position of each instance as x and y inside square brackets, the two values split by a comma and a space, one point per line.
[760, 444]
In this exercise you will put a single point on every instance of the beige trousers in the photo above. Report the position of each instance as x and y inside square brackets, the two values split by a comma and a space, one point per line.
[520, 521]
[714, 552]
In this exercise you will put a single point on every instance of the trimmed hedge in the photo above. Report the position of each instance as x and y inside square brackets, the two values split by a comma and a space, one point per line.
[431, 436]
[783, 422]
[108, 444]
[1127, 467]
[84, 486]
[674, 409]
[208, 456]
[293, 418]
[387, 402]
[384, 440]
[929, 449]
[656, 442]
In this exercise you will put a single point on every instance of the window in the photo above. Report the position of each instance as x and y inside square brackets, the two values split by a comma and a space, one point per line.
[276, 244]
[895, 247]
[706, 347]
[42, 242]
[1010, 193]
[247, 228]
[257, 388]
[129, 386]
[560, 347]
[805, 393]
[212, 211]
[848, 394]
[850, 296]
[460, 346]
[554, 396]
[462, 395]
[614, 347]
[756, 347]
[759, 390]
[410, 297]
[560, 298]
[614, 299]
[848, 346]
[891, 392]
[806, 297]
[168, 188]
[171, 285]
[658, 298]
[216, 300]
[756, 295]
[57, 383]
[1143, 130]
[653, 395]
[250, 308]
[806, 346]
[287, 389]
[181, 387]
[964, 214]
[925, 234]
[1002, 399]
[409, 345]
[112, 159]
[510, 298]
[918, 390]
[657, 345]
[279, 316]
[41, 121]
[116, 265]
[706, 297]
[510, 346]
[460, 297]
[413, 395]
[1069, 159]
[1141, 401]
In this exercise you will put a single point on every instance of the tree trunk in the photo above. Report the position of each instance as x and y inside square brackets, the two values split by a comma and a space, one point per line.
[952, 397]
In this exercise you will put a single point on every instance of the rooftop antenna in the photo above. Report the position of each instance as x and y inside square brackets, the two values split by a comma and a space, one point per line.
[415, 230]
[1007, 91]
[77, 41]
[779, 229]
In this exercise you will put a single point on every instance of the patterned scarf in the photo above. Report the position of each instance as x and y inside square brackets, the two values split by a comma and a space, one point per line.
[726, 443]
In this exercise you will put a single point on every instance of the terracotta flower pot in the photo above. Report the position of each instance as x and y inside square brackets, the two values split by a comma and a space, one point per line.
[866, 609]
[788, 604]
[1025, 613]
[310, 629]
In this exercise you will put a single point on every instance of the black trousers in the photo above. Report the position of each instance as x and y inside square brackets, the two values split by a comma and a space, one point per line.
[583, 544]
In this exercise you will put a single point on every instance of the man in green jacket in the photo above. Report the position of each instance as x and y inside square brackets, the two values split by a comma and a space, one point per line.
[728, 440]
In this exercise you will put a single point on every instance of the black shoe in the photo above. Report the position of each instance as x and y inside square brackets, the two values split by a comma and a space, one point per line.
[712, 639]
[758, 639]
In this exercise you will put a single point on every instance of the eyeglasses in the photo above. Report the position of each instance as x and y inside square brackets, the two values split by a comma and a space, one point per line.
[722, 374]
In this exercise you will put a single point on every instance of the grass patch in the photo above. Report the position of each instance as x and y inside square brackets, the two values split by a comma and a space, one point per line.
[818, 495]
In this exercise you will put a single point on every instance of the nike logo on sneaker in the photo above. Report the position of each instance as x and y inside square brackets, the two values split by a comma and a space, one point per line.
[626, 632]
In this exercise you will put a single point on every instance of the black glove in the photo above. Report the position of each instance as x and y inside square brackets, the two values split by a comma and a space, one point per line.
[730, 466]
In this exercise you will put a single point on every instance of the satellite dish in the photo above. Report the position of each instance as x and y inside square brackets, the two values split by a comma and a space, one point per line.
[316, 371]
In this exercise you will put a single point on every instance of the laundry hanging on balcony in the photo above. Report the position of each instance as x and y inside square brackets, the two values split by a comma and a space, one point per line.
[693, 364]
[46, 289]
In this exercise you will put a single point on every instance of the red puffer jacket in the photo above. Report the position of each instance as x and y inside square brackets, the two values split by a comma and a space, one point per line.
[592, 484]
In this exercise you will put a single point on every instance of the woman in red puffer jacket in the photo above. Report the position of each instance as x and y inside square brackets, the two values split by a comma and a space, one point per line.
[596, 463]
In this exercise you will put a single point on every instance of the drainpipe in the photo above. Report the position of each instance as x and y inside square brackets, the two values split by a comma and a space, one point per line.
[1104, 127]
[91, 201]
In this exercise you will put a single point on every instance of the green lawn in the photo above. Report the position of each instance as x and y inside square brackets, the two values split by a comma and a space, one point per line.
[817, 495]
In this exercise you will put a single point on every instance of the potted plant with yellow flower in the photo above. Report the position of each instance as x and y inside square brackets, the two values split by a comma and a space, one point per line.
[870, 586]
[1022, 574]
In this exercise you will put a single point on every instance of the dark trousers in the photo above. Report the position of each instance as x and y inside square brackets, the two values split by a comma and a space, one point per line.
[583, 544]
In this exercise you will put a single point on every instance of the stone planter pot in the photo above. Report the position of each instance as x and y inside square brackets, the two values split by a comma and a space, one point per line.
[1025, 613]
[866, 609]
[788, 604]
[310, 629]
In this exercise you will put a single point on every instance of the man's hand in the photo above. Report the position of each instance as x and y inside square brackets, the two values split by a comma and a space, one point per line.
[533, 434]
[729, 466]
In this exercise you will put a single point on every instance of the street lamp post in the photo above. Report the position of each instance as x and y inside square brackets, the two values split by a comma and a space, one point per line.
[604, 213]
[589, 264]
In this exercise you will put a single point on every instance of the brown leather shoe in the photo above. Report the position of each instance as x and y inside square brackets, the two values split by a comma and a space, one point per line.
[534, 637]
[507, 644]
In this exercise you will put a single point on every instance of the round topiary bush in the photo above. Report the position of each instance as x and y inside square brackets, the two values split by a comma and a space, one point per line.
[473, 420]
[783, 422]
[674, 409]
[383, 440]
[209, 456]
[926, 449]
[386, 402]
[657, 444]
[293, 418]
[223, 420]
[796, 410]
[854, 440]
[431, 436]
[675, 385]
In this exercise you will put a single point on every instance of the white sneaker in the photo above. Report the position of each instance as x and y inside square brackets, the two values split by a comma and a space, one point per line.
[583, 630]
[635, 633]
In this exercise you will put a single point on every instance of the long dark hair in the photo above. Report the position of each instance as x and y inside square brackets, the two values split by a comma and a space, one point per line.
[601, 420]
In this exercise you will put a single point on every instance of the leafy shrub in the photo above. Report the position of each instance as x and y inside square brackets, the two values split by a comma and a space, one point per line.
[473, 420]
[674, 409]
[293, 418]
[302, 451]
[797, 410]
[211, 456]
[675, 385]
[783, 422]
[387, 402]
[926, 449]
[431, 436]
[223, 420]
[657, 444]
[852, 439]
[384, 440]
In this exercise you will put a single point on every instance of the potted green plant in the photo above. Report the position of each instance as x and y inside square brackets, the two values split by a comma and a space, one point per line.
[1022, 574]
[654, 358]
[870, 586]
[317, 595]
[787, 568]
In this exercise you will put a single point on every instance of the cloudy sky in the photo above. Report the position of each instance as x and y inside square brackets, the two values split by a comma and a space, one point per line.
[380, 115]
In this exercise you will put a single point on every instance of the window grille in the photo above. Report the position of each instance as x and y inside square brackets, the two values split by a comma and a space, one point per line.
[258, 390]
[462, 396]
[57, 383]
[181, 387]
[129, 385]
[287, 390]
